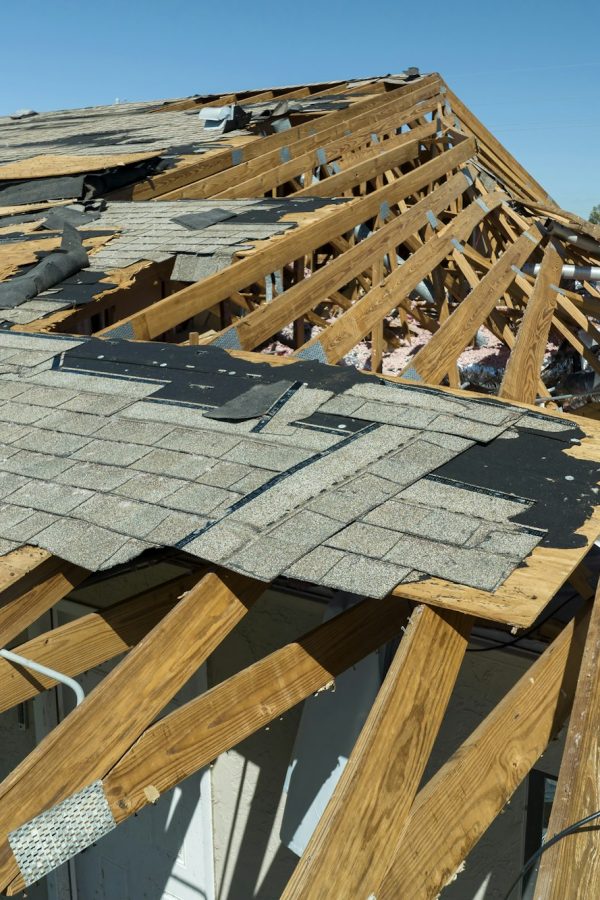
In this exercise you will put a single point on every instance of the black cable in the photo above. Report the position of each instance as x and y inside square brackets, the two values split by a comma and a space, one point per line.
[521, 637]
[553, 840]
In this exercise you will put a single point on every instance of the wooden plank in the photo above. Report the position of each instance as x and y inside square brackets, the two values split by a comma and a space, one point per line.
[49, 165]
[269, 318]
[196, 733]
[522, 372]
[349, 328]
[90, 740]
[352, 846]
[164, 314]
[432, 362]
[570, 870]
[342, 182]
[32, 581]
[218, 173]
[88, 641]
[464, 797]
[258, 185]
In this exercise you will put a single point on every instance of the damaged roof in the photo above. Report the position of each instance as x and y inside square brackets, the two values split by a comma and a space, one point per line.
[110, 449]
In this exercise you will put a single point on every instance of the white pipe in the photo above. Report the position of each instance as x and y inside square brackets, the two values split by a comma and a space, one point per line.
[44, 670]
[569, 273]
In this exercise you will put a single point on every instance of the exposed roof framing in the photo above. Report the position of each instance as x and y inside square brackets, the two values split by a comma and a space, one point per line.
[283, 239]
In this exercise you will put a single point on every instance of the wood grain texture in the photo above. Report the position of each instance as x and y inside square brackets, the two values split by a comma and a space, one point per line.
[349, 328]
[464, 797]
[31, 582]
[297, 300]
[50, 165]
[351, 848]
[525, 362]
[88, 641]
[570, 870]
[331, 222]
[433, 361]
[90, 740]
[199, 731]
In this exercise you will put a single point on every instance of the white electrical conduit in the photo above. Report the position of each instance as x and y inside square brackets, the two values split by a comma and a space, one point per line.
[44, 670]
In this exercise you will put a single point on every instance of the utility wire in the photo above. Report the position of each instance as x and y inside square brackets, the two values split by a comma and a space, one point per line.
[553, 840]
[495, 644]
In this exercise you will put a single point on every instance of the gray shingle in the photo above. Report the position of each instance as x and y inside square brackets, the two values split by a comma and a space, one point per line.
[206, 443]
[10, 482]
[253, 480]
[342, 405]
[354, 498]
[435, 524]
[80, 542]
[266, 456]
[20, 413]
[72, 422]
[364, 576]
[364, 539]
[472, 567]
[44, 396]
[124, 516]
[24, 529]
[460, 499]
[407, 417]
[37, 465]
[49, 497]
[201, 498]
[264, 559]
[133, 432]
[51, 441]
[111, 452]
[476, 431]
[170, 462]
[514, 544]
[10, 432]
[315, 564]
[412, 462]
[94, 476]
[174, 528]
[305, 530]
[220, 541]
[149, 487]
[224, 474]
[128, 551]
[98, 404]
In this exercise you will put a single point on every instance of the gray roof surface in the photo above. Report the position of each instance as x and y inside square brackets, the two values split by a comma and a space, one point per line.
[98, 466]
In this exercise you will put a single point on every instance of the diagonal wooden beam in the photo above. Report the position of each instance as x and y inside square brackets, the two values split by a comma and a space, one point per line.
[525, 362]
[433, 361]
[464, 797]
[269, 318]
[196, 733]
[88, 641]
[90, 740]
[207, 726]
[31, 582]
[260, 155]
[570, 870]
[164, 314]
[351, 849]
[349, 328]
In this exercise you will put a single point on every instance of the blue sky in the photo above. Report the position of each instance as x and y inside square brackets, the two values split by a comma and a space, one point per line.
[529, 70]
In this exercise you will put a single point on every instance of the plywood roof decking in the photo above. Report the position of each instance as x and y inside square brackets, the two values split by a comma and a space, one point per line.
[109, 449]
